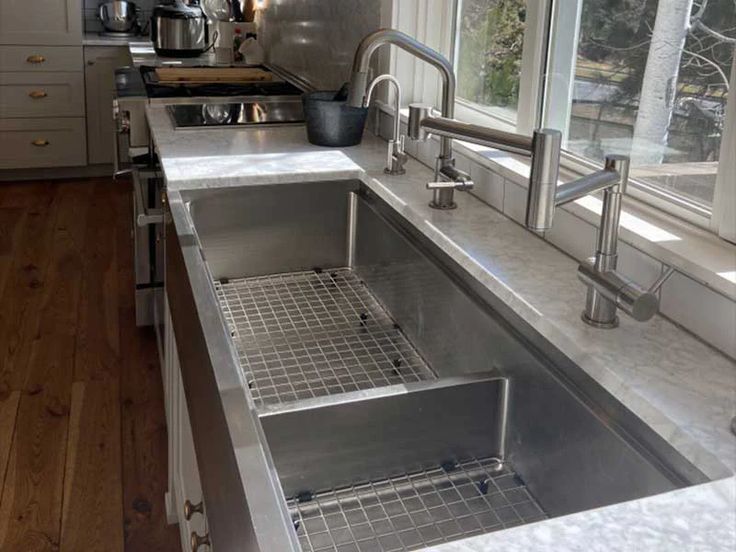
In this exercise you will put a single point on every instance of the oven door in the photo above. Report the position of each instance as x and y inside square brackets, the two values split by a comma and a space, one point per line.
[148, 217]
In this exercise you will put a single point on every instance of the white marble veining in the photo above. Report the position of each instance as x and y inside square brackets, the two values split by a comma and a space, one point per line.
[142, 53]
[681, 387]
[700, 519]
[96, 39]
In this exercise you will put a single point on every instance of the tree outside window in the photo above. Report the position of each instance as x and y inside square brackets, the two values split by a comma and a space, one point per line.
[651, 81]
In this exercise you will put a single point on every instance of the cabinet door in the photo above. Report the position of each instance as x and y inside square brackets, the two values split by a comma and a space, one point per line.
[99, 74]
[191, 488]
[184, 472]
[52, 22]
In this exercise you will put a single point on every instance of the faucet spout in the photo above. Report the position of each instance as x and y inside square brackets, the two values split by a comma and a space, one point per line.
[361, 65]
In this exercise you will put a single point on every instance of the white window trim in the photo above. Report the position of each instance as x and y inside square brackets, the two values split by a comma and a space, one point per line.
[723, 221]
[547, 97]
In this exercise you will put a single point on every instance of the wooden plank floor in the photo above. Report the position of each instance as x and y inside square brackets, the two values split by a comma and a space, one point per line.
[83, 463]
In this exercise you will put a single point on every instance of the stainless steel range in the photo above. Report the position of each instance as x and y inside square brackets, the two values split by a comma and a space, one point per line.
[196, 105]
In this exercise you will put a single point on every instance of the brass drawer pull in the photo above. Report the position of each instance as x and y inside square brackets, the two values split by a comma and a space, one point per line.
[191, 509]
[196, 541]
[37, 94]
[40, 142]
[35, 59]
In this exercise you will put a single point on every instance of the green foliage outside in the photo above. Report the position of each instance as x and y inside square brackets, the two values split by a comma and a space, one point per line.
[492, 34]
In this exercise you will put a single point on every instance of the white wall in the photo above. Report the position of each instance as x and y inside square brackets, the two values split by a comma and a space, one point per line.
[316, 39]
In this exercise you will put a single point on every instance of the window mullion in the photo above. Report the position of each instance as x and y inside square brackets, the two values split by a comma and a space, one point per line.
[723, 220]
[533, 59]
[560, 81]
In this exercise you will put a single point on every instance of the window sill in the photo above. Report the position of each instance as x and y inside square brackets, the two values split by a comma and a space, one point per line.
[692, 251]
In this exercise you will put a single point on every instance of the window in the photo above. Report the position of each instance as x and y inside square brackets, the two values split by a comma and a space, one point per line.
[489, 53]
[645, 78]
[651, 81]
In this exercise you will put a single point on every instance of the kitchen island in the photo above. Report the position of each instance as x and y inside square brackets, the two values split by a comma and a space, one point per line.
[647, 367]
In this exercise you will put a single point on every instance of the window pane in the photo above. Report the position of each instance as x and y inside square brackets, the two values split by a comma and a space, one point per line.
[651, 81]
[489, 53]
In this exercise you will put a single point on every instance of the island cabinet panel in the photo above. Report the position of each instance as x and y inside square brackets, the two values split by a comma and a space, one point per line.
[185, 488]
[41, 22]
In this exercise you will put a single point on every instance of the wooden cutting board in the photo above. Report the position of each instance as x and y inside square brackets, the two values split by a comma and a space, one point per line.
[204, 75]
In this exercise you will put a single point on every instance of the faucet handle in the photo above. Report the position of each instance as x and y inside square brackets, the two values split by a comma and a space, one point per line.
[462, 185]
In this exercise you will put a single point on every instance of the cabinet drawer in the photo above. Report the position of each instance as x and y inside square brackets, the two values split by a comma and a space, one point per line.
[41, 58]
[41, 94]
[33, 143]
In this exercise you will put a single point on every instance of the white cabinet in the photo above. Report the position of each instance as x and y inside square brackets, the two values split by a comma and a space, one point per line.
[49, 22]
[100, 63]
[185, 490]
[48, 94]
[42, 142]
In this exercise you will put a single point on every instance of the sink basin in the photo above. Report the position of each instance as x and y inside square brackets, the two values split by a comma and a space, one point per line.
[352, 388]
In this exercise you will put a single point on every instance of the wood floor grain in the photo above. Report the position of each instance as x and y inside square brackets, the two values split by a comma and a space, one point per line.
[82, 432]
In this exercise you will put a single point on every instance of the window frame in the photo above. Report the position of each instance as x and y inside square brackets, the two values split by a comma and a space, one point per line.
[547, 79]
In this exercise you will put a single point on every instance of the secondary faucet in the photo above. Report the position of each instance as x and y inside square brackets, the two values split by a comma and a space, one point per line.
[608, 290]
[396, 154]
[447, 176]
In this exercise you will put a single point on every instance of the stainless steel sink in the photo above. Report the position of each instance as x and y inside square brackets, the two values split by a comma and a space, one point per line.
[352, 388]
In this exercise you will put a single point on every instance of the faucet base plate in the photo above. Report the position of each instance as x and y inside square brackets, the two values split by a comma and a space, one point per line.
[443, 206]
[600, 325]
[394, 172]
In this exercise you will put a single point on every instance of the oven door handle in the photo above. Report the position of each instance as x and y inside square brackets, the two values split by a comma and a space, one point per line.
[122, 128]
[145, 216]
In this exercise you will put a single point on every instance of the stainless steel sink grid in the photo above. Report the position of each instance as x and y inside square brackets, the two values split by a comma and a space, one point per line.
[415, 510]
[310, 334]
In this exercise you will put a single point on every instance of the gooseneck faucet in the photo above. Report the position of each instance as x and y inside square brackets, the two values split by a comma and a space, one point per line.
[396, 154]
[449, 178]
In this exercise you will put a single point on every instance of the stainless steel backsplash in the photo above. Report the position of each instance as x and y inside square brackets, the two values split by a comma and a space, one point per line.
[316, 39]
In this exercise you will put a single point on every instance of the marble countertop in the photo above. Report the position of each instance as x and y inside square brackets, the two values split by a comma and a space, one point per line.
[650, 368]
[96, 39]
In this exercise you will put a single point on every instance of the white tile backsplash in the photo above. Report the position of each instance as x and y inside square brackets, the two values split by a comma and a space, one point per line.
[704, 312]
[514, 201]
[573, 235]
[489, 186]
[638, 266]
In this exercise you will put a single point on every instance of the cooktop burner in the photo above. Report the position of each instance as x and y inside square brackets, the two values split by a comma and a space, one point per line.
[237, 114]
[155, 89]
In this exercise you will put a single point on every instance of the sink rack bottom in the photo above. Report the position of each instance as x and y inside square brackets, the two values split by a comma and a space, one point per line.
[308, 334]
[411, 511]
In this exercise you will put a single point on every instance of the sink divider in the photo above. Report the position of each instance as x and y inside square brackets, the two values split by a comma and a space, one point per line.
[340, 440]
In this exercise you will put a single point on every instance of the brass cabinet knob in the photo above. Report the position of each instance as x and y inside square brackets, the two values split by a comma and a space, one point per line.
[40, 142]
[35, 59]
[199, 540]
[37, 94]
[191, 509]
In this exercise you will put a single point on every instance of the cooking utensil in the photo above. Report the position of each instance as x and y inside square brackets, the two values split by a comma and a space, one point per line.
[179, 30]
[118, 16]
